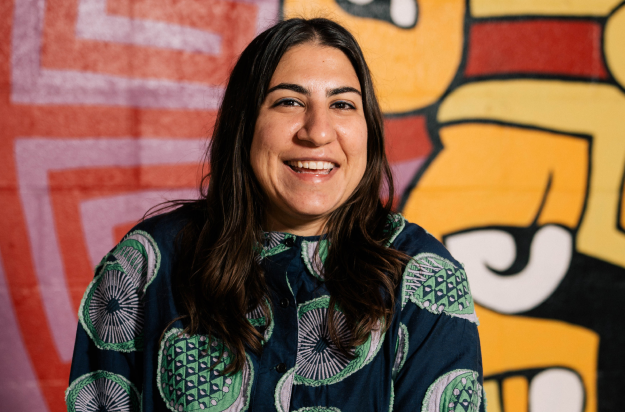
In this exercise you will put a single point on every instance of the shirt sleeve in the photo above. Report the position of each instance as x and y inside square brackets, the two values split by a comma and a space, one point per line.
[106, 365]
[438, 364]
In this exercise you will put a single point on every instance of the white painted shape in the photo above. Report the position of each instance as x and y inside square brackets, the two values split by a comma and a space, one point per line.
[100, 216]
[360, 2]
[404, 12]
[94, 23]
[35, 158]
[74, 87]
[550, 257]
[556, 389]
[20, 389]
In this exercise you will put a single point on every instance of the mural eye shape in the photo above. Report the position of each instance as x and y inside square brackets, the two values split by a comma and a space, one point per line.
[401, 13]
[486, 249]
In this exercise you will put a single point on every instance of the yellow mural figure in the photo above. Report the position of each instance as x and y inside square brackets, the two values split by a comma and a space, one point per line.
[593, 109]
[412, 66]
[529, 152]
[519, 171]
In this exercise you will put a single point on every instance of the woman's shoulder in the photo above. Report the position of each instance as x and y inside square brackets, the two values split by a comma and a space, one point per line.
[153, 241]
[433, 280]
[412, 239]
[164, 227]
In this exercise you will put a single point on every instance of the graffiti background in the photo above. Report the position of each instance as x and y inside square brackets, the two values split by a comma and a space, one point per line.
[506, 132]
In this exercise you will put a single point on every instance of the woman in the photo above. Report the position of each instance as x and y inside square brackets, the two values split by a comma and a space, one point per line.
[289, 285]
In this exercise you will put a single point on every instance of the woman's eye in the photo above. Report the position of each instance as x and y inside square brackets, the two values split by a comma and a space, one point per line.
[288, 103]
[342, 106]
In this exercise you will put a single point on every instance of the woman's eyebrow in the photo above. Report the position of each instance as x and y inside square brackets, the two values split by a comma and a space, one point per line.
[302, 90]
[290, 86]
[339, 90]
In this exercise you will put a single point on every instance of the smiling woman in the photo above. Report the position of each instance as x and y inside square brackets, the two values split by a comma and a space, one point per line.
[309, 150]
[290, 284]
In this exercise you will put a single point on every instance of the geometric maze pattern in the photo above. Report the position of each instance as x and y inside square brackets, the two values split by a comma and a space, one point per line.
[190, 375]
[457, 391]
[437, 285]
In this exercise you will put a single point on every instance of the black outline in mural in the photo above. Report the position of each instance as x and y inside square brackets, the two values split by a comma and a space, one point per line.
[620, 213]
[603, 55]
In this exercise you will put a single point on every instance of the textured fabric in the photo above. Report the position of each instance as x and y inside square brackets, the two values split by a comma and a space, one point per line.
[125, 359]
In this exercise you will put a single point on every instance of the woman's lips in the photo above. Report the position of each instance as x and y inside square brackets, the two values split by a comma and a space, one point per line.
[311, 166]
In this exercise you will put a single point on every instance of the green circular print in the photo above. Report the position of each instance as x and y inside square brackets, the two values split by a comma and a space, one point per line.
[284, 389]
[258, 319]
[314, 255]
[186, 381]
[112, 312]
[319, 361]
[394, 225]
[458, 391]
[401, 350]
[102, 391]
[437, 285]
[139, 257]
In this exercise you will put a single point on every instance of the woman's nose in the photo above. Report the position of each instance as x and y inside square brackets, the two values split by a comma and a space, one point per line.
[318, 127]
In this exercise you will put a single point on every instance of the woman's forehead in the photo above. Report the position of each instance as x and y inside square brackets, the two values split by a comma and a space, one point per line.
[316, 65]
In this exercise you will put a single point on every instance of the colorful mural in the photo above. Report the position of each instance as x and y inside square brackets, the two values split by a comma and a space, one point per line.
[505, 129]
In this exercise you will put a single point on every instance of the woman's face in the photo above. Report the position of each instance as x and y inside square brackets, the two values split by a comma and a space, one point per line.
[309, 150]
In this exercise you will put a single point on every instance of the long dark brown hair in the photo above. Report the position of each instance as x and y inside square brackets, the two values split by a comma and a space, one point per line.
[217, 276]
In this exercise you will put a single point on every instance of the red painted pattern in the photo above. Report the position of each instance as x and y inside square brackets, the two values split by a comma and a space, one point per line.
[537, 46]
[407, 138]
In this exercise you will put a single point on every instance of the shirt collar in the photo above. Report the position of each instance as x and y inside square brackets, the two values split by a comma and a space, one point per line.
[314, 249]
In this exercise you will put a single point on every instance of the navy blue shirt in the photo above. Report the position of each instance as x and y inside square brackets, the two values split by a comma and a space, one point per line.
[129, 357]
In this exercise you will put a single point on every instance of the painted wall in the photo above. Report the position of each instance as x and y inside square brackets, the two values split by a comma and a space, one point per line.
[506, 132]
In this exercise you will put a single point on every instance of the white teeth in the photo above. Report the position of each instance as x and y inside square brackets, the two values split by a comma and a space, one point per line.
[311, 165]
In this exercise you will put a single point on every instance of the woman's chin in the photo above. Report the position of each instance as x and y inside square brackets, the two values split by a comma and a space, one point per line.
[300, 215]
[312, 210]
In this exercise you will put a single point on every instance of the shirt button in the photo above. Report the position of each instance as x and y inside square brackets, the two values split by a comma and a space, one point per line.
[284, 302]
[289, 242]
[281, 368]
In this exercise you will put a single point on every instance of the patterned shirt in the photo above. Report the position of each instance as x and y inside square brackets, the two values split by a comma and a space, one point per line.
[127, 358]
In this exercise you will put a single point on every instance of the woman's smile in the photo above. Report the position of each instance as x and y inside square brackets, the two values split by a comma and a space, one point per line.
[319, 167]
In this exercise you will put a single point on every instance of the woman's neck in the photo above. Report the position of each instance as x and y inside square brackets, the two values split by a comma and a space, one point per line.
[298, 227]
